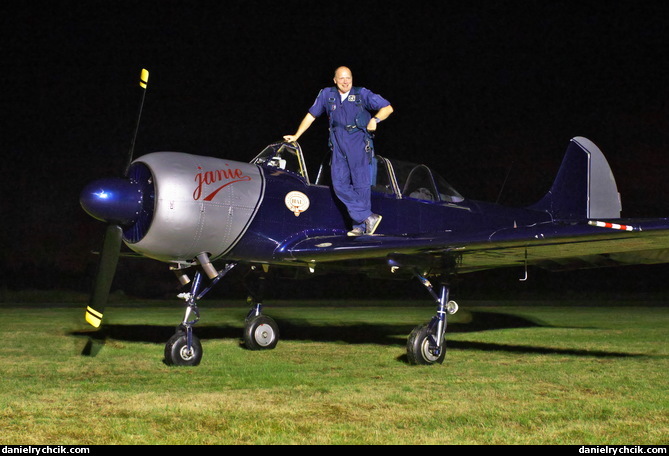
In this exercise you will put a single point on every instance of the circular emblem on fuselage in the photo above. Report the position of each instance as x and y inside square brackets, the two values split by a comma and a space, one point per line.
[297, 202]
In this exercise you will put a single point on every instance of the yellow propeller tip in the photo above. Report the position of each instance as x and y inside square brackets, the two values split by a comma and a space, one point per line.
[144, 78]
[93, 317]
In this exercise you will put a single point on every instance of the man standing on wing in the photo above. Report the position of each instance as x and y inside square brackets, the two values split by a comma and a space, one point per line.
[351, 129]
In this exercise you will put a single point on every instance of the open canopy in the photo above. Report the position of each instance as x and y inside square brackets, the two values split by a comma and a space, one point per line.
[389, 176]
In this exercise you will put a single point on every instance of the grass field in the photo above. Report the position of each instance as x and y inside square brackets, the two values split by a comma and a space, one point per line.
[531, 374]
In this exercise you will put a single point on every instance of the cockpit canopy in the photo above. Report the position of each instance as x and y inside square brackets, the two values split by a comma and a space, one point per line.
[420, 182]
[389, 176]
[286, 156]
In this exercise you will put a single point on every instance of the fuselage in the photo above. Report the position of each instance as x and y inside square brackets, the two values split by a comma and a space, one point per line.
[187, 205]
[275, 228]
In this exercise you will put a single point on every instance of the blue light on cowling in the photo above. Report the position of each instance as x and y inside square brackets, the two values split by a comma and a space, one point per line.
[112, 200]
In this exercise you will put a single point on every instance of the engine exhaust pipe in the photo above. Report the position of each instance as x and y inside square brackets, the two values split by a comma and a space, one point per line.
[208, 268]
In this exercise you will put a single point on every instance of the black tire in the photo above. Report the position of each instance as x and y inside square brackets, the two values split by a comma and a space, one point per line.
[418, 348]
[176, 351]
[261, 333]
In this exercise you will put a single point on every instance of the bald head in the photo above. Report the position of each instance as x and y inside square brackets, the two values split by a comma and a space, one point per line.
[343, 79]
[342, 68]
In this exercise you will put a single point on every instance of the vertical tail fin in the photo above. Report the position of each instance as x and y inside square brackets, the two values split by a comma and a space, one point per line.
[584, 187]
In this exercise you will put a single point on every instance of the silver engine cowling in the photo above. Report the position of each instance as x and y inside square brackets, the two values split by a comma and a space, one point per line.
[200, 205]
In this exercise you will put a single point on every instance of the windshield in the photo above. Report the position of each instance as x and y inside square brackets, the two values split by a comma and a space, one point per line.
[413, 180]
[420, 182]
[286, 156]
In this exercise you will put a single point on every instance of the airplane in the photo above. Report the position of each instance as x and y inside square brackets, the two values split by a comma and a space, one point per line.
[206, 216]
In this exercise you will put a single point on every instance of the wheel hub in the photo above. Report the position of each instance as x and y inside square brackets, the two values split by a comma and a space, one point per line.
[186, 353]
[264, 335]
[428, 351]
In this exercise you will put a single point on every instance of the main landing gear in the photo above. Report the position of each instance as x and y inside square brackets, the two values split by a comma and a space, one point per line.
[184, 348]
[260, 331]
[427, 342]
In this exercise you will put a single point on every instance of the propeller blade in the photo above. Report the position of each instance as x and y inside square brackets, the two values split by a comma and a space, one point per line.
[115, 201]
[111, 250]
[143, 82]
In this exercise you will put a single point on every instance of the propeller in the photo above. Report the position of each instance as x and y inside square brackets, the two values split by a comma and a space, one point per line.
[116, 201]
[105, 275]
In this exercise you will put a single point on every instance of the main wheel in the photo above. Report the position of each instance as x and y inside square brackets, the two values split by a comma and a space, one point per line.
[418, 347]
[178, 354]
[261, 333]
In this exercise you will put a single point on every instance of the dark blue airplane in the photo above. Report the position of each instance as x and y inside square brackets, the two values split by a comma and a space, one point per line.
[205, 216]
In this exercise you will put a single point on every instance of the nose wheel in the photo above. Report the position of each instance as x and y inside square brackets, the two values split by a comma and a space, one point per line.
[178, 352]
[184, 348]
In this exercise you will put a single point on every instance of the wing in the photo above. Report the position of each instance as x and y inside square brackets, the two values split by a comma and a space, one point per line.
[552, 245]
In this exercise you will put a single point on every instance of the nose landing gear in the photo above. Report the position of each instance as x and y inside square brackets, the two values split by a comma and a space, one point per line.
[260, 331]
[184, 348]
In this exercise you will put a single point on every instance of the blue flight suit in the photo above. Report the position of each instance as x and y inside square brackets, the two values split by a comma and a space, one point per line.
[351, 145]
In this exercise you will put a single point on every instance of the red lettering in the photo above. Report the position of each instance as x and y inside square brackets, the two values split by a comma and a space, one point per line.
[229, 176]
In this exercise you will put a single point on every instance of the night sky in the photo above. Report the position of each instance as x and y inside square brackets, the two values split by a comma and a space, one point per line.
[481, 91]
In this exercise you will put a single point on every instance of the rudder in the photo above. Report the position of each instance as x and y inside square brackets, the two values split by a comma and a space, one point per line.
[584, 187]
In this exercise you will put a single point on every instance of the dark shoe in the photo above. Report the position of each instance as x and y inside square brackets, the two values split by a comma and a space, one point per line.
[372, 223]
[356, 232]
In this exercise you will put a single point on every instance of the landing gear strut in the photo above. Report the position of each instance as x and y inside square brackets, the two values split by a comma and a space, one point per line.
[184, 348]
[260, 332]
[426, 343]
